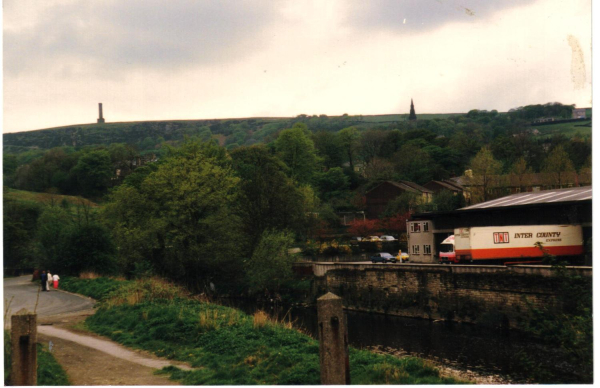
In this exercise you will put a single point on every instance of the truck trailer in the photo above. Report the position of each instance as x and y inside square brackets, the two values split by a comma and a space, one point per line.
[512, 243]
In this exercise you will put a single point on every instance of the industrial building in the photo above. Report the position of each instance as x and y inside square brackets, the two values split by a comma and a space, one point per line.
[570, 206]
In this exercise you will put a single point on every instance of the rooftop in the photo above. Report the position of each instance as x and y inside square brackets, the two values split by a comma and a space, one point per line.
[546, 196]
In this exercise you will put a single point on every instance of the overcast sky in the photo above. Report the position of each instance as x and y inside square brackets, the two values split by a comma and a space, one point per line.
[195, 59]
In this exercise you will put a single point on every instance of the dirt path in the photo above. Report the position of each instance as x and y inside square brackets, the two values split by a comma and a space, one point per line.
[90, 359]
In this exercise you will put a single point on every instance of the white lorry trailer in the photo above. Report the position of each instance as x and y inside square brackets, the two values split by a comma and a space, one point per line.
[516, 243]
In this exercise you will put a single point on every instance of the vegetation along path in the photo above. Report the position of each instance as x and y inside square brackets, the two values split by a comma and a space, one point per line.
[87, 359]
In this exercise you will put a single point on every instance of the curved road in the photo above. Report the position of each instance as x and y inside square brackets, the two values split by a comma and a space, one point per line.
[24, 294]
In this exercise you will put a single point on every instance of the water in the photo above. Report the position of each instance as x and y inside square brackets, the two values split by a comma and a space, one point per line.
[465, 346]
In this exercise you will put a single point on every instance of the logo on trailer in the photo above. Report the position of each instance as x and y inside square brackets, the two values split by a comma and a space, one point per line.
[500, 237]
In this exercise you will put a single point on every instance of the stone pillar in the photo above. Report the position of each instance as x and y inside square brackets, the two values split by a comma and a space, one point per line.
[333, 341]
[100, 118]
[24, 348]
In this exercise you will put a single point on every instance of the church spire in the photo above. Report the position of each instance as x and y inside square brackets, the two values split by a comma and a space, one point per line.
[412, 115]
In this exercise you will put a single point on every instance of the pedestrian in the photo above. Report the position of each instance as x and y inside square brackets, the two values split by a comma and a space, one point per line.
[44, 280]
[55, 279]
[49, 282]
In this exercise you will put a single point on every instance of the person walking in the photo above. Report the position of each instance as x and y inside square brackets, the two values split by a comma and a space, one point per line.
[49, 282]
[55, 280]
[44, 280]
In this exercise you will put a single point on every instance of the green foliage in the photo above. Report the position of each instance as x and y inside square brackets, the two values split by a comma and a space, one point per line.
[93, 172]
[268, 198]
[72, 243]
[232, 348]
[19, 224]
[297, 151]
[98, 288]
[271, 263]
[49, 371]
[181, 217]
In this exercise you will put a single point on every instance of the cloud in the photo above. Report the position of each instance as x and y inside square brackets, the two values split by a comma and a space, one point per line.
[114, 36]
[420, 15]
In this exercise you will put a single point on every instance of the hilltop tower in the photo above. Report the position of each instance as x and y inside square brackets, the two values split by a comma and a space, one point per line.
[100, 118]
[412, 115]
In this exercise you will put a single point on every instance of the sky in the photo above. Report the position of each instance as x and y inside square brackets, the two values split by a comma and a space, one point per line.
[201, 59]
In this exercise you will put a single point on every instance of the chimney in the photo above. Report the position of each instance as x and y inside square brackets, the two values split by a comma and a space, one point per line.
[100, 118]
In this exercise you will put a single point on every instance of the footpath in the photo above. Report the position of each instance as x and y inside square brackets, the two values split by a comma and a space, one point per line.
[89, 359]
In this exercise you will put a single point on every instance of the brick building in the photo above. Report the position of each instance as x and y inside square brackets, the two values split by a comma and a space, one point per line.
[378, 198]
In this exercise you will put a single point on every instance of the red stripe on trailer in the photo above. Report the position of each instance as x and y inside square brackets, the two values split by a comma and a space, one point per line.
[504, 253]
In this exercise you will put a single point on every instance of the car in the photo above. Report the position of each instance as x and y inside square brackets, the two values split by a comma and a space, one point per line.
[356, 239]
[372, 239]
[402, 257]
[383, 257]
[387, 238]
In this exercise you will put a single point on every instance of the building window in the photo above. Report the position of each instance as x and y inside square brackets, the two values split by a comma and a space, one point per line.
[427, 249]
[415, 227]
[415, 249]
[425, 227]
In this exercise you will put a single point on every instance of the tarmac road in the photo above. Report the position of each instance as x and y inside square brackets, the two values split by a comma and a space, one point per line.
[24, 294]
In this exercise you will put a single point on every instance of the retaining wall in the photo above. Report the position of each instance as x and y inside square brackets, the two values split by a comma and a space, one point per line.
[495, 295]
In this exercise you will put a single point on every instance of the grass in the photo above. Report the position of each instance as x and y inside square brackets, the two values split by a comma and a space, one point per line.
[567, 129]
[49, 371]
[229, 347]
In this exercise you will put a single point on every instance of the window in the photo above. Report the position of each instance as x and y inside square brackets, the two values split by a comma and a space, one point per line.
[427, 249]
[415, 249]
[415, 227]
[425, 226]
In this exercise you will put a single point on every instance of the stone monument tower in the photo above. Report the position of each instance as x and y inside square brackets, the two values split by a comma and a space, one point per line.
[100, 118]
[412, 115]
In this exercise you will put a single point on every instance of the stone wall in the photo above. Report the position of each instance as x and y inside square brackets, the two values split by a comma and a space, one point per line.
[494, 295]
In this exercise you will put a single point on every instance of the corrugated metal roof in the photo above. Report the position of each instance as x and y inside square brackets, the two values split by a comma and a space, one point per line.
[546, 196]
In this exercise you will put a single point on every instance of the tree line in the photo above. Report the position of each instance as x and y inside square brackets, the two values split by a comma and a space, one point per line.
[208, 213]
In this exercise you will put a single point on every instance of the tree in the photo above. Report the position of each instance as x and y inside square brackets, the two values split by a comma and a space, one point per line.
[181, 219]
[297, 151]
[485, 172]
[93, 172]
[446, 200]
[332, 184]
[521, 173]
[395, 224]
[268, 199]
[558, 165]
[349, 138]
[271, 263]
[329, 148]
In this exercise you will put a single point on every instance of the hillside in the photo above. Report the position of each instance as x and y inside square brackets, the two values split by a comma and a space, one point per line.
[147, 134]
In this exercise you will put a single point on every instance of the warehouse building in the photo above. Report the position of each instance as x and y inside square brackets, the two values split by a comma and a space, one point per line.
[571, 206]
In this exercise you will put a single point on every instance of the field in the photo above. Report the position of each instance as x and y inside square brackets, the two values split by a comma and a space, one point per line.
[583, 128]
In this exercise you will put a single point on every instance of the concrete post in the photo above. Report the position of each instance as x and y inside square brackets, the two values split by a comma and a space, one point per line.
[24, 348]
[333, 341]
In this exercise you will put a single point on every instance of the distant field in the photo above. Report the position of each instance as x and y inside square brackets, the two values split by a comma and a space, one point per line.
[584, 128]
[45, 198]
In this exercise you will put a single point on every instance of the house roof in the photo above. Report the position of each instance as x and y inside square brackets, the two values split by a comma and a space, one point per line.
[416, 187]
[449, 185]
[406, 186]
[539, 197]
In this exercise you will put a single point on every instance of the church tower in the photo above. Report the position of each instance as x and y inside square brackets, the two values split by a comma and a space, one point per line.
[412, 115]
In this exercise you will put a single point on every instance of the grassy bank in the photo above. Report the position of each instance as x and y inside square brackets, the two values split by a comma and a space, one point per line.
[49, 371]
[227, 346]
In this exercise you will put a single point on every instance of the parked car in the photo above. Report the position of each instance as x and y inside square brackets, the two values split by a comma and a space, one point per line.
[372, 239]
[383, 257]
[387, 238]
[402, 257]
[356, 239]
